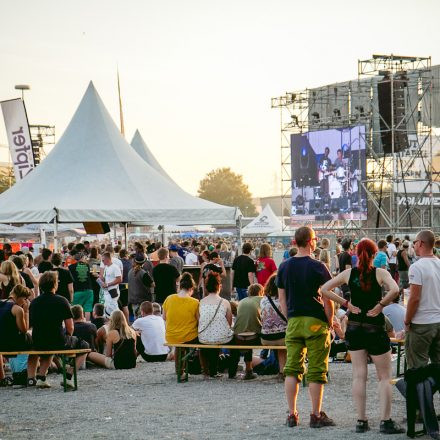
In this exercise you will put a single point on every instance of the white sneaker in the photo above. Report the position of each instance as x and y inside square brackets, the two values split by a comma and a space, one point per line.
[70, 385]
[43, 384]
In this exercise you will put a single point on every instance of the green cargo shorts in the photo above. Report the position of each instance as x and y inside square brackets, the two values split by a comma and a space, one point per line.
[84, 298]
[311, 336]
[422, 344]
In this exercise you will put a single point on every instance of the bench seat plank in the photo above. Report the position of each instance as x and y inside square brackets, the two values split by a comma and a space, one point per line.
[231, 347]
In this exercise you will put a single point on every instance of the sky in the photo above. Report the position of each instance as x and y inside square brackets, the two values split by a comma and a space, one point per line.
[197, 76]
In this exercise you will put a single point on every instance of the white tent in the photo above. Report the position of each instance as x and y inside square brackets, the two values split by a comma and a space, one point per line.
[142, 149]
[93, 175]
[264, 224]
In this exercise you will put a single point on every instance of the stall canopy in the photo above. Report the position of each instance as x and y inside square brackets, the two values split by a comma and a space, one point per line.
[264, 224]
[142, 149]
[94, 175]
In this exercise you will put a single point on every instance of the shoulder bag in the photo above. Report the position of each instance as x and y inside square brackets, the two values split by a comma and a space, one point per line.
[212, 319]
[276, 308]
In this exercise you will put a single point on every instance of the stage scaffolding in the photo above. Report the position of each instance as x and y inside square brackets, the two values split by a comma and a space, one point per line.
[400, 185]
[41, 135]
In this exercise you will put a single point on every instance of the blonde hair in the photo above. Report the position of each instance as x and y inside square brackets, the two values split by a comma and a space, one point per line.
[9, 269]
[265, 251]
[255, 290]
[119, 323]
[324, 256]
[325, 242]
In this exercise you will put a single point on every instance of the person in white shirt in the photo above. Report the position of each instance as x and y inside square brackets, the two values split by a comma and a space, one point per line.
[392, 259]
[151, 344]
[192, 258]
[109, 280]
[422, 319]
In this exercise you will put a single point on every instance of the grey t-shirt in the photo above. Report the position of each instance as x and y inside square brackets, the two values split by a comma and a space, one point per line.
[396, 314]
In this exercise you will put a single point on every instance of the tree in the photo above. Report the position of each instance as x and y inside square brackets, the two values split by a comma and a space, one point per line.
[225, 187]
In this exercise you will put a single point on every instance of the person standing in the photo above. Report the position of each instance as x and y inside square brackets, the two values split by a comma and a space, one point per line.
[82, 284]
[265, 265]
[366, 334]
[165, 277]
[403, 264]
[392, 256]
[243, 272]
[110, 280]
[308, 329]
[65, 279]
[422, 319]
[175, 259]
[381, 259]
[140, 285]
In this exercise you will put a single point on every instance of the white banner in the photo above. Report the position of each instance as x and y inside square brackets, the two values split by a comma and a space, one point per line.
[19, 137]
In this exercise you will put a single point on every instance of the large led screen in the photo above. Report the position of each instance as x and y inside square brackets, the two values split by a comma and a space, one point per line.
[327, 169]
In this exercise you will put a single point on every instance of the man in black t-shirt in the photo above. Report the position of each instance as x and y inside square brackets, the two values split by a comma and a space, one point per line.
[65, 280]
[345, 262]
[47, 313]
[165, 277]
[86, 331]
[243, 272]
[45, 264]
[299, 280]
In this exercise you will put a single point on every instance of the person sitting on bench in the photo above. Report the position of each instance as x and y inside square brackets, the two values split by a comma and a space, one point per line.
[47, 313]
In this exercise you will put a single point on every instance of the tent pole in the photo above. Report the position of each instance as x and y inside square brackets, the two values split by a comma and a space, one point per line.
[55, 234]
[239, 239]
[125, 236]
[163, 236]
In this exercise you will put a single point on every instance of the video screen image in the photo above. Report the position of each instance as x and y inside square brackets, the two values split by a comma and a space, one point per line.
[327, 169]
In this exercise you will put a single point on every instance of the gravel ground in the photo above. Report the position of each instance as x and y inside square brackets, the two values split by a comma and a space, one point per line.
[147, 403]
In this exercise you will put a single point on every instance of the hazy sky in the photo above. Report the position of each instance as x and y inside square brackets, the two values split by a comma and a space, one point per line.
[197, 75]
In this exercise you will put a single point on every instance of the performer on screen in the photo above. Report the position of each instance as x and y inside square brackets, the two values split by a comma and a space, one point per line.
[325, 165]
[339, 161]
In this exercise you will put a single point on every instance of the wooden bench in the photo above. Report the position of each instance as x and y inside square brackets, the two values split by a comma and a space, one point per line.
[64, 354]
[181, 347]
[400, 353]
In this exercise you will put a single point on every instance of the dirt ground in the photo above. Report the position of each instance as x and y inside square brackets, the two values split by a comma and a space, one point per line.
[147, 403]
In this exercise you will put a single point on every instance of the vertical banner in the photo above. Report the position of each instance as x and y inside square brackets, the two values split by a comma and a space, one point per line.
[19, 137]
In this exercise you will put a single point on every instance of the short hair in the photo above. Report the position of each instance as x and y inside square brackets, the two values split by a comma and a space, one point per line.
[147, 307]
[107, 255]
[255, 289]
[70, 246]
[346, 243]
[57, 259]
[339, 150]
[389, 238]
[293, 251]
[98, 309]
[325, 242]
[427, 237]
[20, 291]
[109, 248]
[123, 253]
[187, 281]
[77, 311]
[381, 244]
[48, 280]
[213, 255]
[162, 253]
[157, 309]
[117, 249]
[303, 235]
[246, 248]
[46, 253]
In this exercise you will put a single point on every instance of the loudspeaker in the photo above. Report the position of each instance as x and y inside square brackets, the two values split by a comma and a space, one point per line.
[96, 228]
[400, 82]
[303, 162]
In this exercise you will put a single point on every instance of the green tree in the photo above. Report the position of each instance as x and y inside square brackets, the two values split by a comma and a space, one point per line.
[225, 187]
[7, 179]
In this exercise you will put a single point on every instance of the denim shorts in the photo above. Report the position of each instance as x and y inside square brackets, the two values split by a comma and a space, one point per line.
[374, 340]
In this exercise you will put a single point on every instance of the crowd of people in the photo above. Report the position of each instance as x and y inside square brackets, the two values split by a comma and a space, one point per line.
[124, 303]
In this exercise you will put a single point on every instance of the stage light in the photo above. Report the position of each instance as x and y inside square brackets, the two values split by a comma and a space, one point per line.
[294, 120]
[337, 112]
[315, 116]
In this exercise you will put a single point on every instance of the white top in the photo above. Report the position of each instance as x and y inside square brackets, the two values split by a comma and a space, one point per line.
[191, 259]
[110, 274]
[217, 330]
[152, 328]
[425, 272]
[116, 261]
[392, 248]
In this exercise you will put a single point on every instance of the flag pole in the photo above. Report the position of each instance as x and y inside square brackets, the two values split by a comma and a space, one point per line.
[121, 115]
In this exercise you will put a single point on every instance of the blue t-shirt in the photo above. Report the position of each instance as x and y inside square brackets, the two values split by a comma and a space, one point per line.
[302, 277]
[380, 260]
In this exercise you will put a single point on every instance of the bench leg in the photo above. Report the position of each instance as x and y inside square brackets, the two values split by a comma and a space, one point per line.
[399, 354]
[179, 363]
[75, 380]
[63, 359]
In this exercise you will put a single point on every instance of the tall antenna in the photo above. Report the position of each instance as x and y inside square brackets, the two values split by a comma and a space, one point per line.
[121, 115]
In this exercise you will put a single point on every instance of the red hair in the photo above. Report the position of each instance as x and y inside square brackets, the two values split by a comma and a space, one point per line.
[366, 250]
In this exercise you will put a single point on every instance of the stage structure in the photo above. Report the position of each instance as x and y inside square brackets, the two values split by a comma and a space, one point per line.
[41, 135]
[365, 145]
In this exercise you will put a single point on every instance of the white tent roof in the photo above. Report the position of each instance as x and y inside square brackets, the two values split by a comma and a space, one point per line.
[93, 174]
[142, 149]
[265, 223]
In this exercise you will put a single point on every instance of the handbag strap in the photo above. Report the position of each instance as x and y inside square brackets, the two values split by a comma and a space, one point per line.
[276, 308]
[212, 319]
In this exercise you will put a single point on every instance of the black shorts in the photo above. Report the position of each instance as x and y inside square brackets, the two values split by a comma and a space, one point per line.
[374, 340]
[123, 297]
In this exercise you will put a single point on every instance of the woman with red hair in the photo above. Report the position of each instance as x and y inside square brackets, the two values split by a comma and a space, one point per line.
[365, 334]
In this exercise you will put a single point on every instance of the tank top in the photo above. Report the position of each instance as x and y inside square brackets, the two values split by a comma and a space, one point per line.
[10, 337]
[217, 330]
[124, 356]
[6, 289]
[365, 299]
[401, 265]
